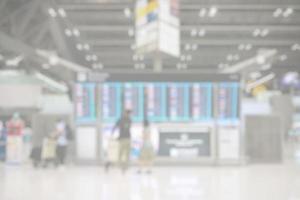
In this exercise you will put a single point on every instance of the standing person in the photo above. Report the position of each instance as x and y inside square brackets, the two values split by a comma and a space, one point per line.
[14, 147]
[124, 126]
[62, 142]
[147, 151]
[2, 141]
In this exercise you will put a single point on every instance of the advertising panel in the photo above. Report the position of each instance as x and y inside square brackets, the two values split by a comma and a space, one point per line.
[184, 144]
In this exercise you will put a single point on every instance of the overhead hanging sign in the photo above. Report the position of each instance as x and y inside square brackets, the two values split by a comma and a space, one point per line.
[157, 27]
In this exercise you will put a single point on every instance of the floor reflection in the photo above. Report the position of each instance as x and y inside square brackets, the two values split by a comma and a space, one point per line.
[260, 182]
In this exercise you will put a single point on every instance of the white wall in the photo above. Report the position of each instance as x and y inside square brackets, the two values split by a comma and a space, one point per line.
[56, 104]
[20, 95]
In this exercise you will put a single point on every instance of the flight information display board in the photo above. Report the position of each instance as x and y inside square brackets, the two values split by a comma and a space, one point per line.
[168, 101]
[85, 95]
[111, 102]
[155, 101]
[178, 101]
[133, 100]
[228, 101]
[201, 101]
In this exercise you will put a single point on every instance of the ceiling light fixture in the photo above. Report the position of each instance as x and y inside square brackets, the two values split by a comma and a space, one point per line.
[53, 60]
[183, 58]
[88, 57]
[288, 12]
[260, 59]
[187, 47]
[220, 65]
[266, 67]
[264, 32]
[193, 32]
[256, 32]
[97, 66]
[135, 57]
[76, 32]
[202, 33]
[79, 47]
[94, 57]
[241, 47]
[213, 11]
[68, 32]
[133, 47]
[255, 75]
[277, 12]
[202, 12]
[248, 47]
[189, 57]
[62, 12]
[52, 12]
[295, 47]
[236, 57]
[229, 57]
[131, 32]
[142, 65]
[283, 57]
[86, 47]
[127, 12]
[194, 47]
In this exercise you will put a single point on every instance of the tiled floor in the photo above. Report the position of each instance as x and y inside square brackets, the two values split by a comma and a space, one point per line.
[255, 182]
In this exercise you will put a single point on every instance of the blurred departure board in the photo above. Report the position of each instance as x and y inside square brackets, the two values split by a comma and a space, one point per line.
[178, 101]
[155, 101]
[228, 101]
[169, 101]
[85, 102]
[133, 100]
[201, 101]
[111, 102]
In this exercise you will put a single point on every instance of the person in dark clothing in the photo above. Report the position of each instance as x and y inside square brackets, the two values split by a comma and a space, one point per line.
[124, 126]
[36, 156]
[62, 142]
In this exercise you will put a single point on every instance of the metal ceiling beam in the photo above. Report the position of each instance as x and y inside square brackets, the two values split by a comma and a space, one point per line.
[183, 6]
[41, 35]
[244, 7]
[3, 5]
[223, 28]
[264, 56]
[37, 55]
[28, 16]
[203, 42]
[16, 12]
[57, 33]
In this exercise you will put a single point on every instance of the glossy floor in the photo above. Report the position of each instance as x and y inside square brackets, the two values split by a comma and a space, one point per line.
[259, 182]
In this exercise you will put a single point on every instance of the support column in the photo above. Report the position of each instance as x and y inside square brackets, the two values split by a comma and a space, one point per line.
[157, 63]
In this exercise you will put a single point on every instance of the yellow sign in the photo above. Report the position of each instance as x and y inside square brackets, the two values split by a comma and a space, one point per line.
[258, 90]
[144, 11]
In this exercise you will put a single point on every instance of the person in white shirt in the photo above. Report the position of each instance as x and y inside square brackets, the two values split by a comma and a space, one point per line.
[62, 142]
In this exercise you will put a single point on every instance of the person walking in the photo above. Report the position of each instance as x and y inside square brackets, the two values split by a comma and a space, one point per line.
[62, 142]
[124, 126]
[147, 151]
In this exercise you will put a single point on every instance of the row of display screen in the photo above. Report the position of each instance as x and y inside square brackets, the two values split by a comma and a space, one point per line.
[158, 101]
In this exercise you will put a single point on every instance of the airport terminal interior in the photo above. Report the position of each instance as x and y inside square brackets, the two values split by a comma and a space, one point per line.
[150, 99]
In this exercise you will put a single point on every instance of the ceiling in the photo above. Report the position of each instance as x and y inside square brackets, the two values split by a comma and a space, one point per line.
[99, 34]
